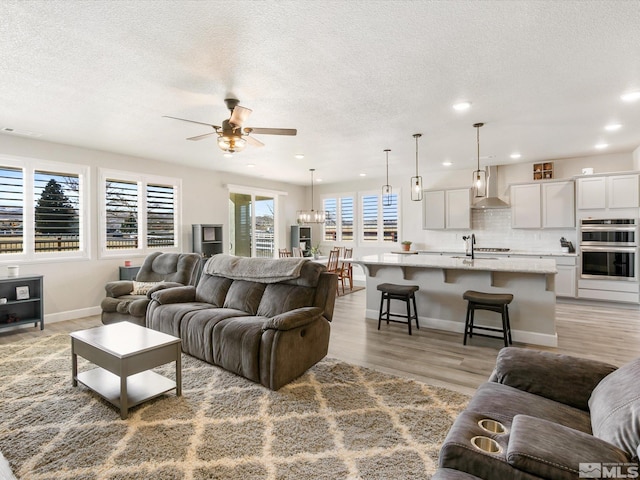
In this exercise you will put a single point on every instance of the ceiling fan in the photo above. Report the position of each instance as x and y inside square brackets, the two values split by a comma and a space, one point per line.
[231, 136]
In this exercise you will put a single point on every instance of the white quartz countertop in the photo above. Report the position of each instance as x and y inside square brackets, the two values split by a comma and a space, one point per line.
[461, 262]
[521, 253]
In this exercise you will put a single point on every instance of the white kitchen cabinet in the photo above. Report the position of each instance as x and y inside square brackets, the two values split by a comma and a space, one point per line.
[543, 205]
[433, 210]
[558, 205]
[608, 192]
[525, 206]
[446, 209]
[458, 208]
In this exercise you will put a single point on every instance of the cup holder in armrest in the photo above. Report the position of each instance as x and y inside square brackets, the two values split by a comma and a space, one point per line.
[486, 444]
[492, 426]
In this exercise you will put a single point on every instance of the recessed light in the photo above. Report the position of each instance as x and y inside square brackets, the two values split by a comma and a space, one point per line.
[250, 165]
[601, 146]
[612, 127]
[515, 156]
[631, 96]
[227, 155]
[363, 174]
[299, 156]
[447, 163]
[318, 180]
[462, 106]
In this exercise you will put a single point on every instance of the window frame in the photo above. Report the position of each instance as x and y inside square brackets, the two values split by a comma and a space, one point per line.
[380, 221]
[338, 197]
[29, 166]
[142, 181]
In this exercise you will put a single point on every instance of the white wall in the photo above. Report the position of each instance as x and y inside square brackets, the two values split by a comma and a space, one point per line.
[75, 288]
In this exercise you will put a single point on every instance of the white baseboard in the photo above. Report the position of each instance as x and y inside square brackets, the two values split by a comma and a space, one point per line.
[71, 315]
[534, 338]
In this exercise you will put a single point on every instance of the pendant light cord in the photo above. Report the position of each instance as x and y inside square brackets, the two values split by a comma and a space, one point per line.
[417, 136]
[312, 170]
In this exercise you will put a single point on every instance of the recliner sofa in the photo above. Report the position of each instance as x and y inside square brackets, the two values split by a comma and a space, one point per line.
[264, 319]
[564, 418]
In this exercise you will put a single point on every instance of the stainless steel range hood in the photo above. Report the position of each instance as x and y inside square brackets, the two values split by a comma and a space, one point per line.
[492, 200]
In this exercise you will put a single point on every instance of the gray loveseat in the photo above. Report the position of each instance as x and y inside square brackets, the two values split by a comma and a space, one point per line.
[264, 319]
[564, 418]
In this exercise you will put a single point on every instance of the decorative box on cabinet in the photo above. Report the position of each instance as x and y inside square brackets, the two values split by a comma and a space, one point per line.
[29, 308]
[207, 239]
[301, 238]
[543, 171]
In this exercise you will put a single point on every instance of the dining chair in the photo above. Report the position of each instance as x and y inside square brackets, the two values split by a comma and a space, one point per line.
[334, 267]
[347, 267]
[283, 253]
[297, 252]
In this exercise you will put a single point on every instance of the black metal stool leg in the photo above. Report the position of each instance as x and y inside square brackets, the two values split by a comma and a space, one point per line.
[415, 311]
[466, 323]
[505, 330]
[408, 314]
[506, 309]
[380, 315]
[388, 307]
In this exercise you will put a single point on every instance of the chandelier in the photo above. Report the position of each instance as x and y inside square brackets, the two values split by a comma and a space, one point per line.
[311, 216]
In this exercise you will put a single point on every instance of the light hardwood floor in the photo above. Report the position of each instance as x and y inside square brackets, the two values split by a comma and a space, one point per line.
[600, 331]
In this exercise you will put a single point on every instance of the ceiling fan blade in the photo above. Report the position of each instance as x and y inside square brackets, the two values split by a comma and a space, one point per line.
[254, 141]
[239, 115]
[272, 131]
[200, 137]
[192, 121]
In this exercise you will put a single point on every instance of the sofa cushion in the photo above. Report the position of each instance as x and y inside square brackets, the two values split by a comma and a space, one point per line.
[615, 408]
[551, 450]
[213, 290]
[245, 296]
[279, 298]
[235, 344]
[128, 304]
[142, 288]
[503, 402]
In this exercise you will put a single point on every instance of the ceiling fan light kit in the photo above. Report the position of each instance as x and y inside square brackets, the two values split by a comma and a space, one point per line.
[479, 176]
[311, 216]
[387, 190]
[232, 138]
[416, 182]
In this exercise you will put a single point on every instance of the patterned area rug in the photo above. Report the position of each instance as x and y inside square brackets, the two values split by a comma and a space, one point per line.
[338, 421]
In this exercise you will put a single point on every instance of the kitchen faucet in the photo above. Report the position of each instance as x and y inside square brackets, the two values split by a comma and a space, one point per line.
[472, 241]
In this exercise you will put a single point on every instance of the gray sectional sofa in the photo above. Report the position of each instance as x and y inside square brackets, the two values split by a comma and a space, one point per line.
[563, 417]
[264, 319]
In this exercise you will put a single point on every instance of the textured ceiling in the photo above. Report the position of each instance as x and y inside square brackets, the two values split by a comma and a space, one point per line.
[354, 77]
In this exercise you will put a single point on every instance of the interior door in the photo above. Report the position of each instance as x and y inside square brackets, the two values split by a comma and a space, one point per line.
[252, 225]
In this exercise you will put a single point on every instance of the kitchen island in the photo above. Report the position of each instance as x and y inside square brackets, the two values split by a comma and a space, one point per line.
[443, 280]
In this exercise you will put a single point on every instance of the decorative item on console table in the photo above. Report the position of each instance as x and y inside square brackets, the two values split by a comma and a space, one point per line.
[406, 245]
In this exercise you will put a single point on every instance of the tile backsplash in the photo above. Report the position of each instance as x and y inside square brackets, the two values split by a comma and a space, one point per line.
[492, 228]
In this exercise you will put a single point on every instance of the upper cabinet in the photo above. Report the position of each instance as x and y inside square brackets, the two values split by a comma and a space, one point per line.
[446, 209]
[608, 192]
[543, 205]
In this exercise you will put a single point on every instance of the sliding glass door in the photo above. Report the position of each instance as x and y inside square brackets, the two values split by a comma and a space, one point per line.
[252, 224]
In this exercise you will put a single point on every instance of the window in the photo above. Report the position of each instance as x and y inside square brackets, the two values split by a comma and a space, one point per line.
[42, 209]
[338, 226]
[379, 223]
[140, 213]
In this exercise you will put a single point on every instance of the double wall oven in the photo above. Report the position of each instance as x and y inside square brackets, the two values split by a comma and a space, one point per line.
[609, 249]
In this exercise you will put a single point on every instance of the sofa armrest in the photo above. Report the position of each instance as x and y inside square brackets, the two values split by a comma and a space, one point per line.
[181, 294]
[563, 378]
[163, 286]
[293, 319]
[118, 288]
[550, 450]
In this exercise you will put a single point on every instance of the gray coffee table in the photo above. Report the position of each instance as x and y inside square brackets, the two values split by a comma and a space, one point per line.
[125, 353]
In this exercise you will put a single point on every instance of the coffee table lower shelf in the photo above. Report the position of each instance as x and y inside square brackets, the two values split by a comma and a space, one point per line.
[141, 387]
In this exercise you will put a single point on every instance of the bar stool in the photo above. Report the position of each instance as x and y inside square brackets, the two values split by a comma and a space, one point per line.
[494, 302]
[406, 293]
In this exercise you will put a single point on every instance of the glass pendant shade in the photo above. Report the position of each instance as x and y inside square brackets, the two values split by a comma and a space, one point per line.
[416, 181]
[387, 190]
[479, 185]
[231, 144]
[311, 216]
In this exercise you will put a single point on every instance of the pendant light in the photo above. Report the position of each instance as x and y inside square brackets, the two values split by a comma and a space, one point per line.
[311, 216]
[416, 182]
[387, 190]
[479, 176]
